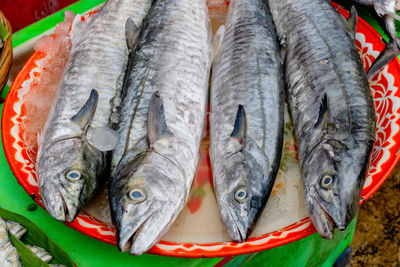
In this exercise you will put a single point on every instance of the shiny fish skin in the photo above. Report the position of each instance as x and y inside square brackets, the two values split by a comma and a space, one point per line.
[41, 253]
[8, 254]
[173, 58]
[331, 107]
[16, 229]
[97, 63]
[247, 71]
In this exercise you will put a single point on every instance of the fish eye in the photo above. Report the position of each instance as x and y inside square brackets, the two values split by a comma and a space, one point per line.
[326, 181]
[73, 175]
[137, 195]
[240, 194]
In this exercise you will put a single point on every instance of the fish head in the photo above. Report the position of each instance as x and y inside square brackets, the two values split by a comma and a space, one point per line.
[333, 187]
[68, 173]
[242, 186]
[146, 194]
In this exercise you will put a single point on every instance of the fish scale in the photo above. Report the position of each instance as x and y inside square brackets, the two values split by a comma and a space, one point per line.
[331, 107]
[154, 161]
[247, 71]
[85, 100]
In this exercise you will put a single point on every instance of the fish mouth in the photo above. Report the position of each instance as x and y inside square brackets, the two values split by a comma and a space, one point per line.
[128, 233]
[322, 220]
[57, 206]
[138, 236]
[236, 231]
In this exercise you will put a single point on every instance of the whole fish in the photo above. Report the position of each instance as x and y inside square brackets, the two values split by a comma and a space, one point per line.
[77, 134]
[246, 120]
[8, 254]
[331, 107]
[161, 123]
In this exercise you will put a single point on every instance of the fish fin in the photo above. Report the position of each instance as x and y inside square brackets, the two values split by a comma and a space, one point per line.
[391, 50]
[352, 22]
[157, 130]
[86, 113]
[394, 15]
[282, 48]
[390, 26]
[238, 135]
[76, 26]
[103, 138]
[323, 114]
[131, 34]
[217, 41]
[39, 138]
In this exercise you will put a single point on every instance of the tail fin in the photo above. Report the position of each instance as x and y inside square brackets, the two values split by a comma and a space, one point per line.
[391, 51]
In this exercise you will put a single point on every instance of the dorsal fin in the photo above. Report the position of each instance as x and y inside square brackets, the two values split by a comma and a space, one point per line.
[352, 21]
[86, 113]
[157, 129]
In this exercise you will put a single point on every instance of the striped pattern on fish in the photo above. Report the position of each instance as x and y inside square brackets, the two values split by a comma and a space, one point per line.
[69, 167]
[247, 72]
[162, 120]
[331, 106]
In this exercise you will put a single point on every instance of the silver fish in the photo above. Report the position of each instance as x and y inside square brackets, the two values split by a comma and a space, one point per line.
[16, 229]
[72, 155]
[331, 107]
[246, 120]
[41, 253]
[162, 119]
[8, 254]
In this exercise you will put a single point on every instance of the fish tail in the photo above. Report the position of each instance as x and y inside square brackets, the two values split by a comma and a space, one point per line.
[391, 51]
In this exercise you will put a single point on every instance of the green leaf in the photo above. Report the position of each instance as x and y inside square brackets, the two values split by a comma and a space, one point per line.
[36, 236]
[4, 33]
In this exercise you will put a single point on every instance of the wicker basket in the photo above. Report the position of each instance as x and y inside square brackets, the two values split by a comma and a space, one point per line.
[6, 56]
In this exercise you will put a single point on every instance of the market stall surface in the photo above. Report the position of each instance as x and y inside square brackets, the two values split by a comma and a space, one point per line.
[377, 238]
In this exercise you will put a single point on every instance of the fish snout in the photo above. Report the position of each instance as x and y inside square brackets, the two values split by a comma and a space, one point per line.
[341, 219]
[138, 233]
[322, 221]
[238, 228]
[59, 205]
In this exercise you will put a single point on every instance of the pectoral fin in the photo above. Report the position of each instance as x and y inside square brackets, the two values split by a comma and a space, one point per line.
[320, 125]
[217, 41]
[102, 138]
[157, 130]
[77, 26]
[352, 21]
[282, 48]
[86, 113]
[238, 135]
[131, 34]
